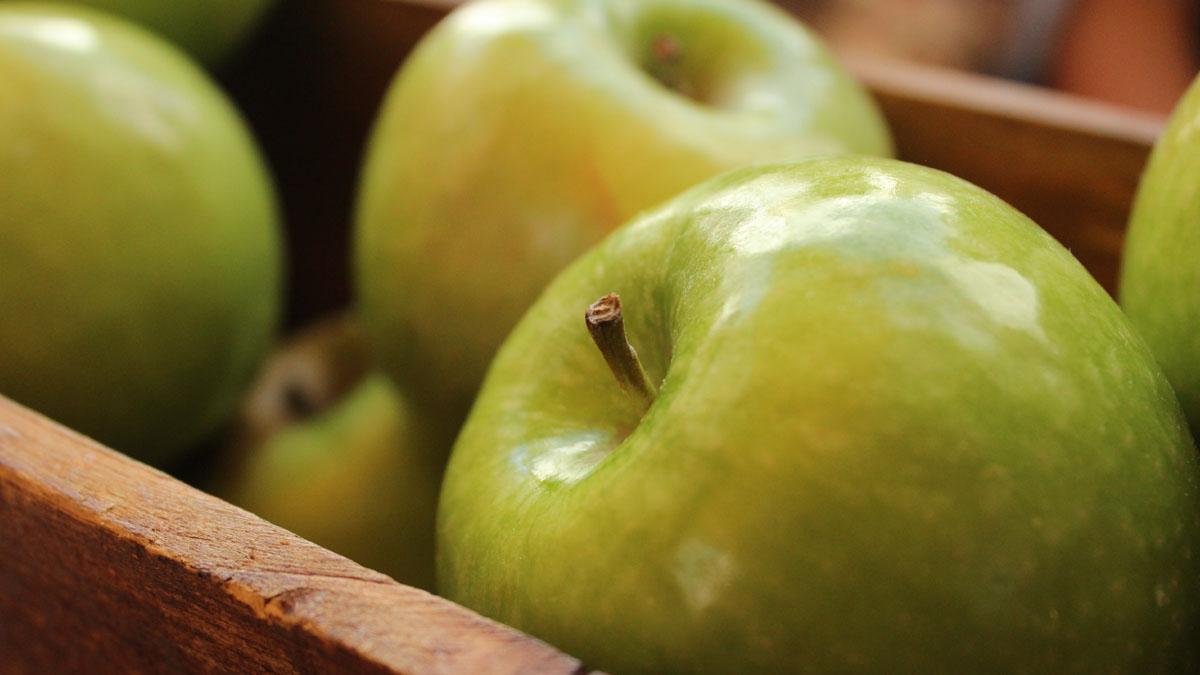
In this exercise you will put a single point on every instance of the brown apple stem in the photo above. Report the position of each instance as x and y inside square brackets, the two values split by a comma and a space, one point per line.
[607, 328]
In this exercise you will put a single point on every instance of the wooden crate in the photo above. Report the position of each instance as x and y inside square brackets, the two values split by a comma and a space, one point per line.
[108, 565]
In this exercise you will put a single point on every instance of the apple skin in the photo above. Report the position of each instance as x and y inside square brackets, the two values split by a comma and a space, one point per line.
[1160, 276]
[520, 132]
[899, 429]
[355, 479]
[140, 274]
[211, 30]
[327, 448]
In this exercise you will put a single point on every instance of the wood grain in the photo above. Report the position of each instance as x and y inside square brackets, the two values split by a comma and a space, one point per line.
[107, 565]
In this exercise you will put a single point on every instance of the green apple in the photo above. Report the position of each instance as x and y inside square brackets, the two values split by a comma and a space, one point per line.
[520, 132]
[897, 428]
[210, 30]
[334, 453]
[1160, 278]
[140, 267]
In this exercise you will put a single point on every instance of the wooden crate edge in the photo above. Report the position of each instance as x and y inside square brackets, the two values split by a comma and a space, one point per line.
[109, 561]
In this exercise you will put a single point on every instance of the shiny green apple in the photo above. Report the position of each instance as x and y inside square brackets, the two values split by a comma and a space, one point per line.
[1160, 278]
[332, 451]
[897, 428]
[139, 249]
[210, 30]
[520, 132]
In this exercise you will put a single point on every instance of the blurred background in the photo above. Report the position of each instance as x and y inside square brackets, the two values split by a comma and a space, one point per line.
[1141, 54]
[327, 63]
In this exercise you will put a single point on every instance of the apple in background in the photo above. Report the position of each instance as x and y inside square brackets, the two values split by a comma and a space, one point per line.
[1160, 276]
[140, 263]
[211, 30]
[520, 132]
[331, 451]
[887, 425]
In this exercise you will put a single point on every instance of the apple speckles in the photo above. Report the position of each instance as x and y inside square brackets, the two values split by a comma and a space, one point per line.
[996, 490]
[1160, 596]
[701, 571]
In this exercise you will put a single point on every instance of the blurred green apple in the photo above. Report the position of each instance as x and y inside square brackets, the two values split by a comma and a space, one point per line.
[1160, 278]
[211, 30]
[332, 452]
[889, 425]
[140, 264]
[520, 132]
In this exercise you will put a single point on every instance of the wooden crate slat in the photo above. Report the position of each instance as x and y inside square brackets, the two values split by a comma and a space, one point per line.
[105, 562]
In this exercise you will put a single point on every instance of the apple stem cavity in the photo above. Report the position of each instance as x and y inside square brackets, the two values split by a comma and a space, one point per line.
[297, 402]
[666, 49]
[606, 325]
[666, 65]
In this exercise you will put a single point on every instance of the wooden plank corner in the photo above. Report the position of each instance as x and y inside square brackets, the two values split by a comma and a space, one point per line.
[109, 565]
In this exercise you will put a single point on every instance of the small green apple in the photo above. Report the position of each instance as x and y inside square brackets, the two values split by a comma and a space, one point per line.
[140, 265]
[520, 132]
[334, 453]
[1160, 279]
[897, 428]
[210, 30]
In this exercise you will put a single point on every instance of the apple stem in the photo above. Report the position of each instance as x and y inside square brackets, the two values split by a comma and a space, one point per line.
[607, 328]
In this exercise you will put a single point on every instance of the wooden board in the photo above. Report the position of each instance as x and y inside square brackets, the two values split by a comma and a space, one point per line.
[109, 565]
